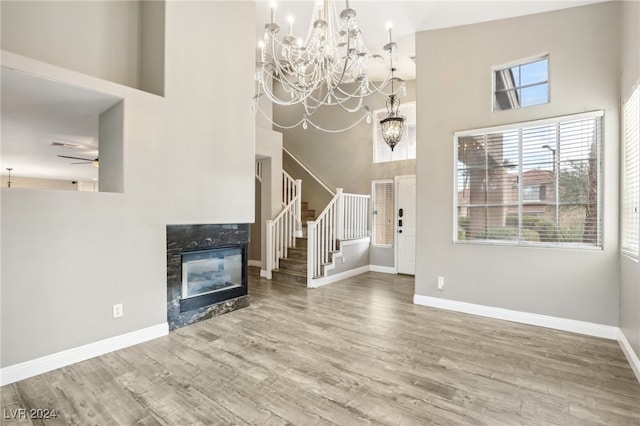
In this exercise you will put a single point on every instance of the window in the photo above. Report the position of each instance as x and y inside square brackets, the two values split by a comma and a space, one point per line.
[406, 148]
[533, 192]
[382, 204]
[631, 175]
[521, 85]
[535, 183]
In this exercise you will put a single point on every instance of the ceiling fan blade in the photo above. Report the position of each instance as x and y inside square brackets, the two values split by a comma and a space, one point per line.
[84, 162]
[79, 158]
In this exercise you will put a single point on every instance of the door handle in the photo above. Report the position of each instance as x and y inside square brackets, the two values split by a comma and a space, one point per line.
[400, 222]
[400, 213]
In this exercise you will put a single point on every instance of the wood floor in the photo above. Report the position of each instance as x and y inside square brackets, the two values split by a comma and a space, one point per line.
[350, 353]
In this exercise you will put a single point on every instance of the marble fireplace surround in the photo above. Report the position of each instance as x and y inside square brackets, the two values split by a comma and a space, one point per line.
[201, 237]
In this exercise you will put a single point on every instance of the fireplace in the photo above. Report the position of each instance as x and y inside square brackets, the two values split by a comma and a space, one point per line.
[206, 271]
[211, 276]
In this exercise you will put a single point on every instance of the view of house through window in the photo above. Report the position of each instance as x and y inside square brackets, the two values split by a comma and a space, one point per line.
[521, 85]
[382, 215]
[406, 148]
[533, 183]
[631, 175]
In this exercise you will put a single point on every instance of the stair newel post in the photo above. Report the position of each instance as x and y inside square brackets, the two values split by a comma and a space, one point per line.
[311, 251]
[339, 214]
[270, 252]
[298, 207]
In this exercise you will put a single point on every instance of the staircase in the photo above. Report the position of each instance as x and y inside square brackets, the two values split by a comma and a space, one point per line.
[293, 268]
[302, 246]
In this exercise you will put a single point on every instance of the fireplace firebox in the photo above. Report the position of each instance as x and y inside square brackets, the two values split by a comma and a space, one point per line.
[207, 271]
[213, 275]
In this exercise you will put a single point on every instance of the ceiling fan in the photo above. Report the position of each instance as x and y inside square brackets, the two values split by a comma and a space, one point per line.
[94, 162]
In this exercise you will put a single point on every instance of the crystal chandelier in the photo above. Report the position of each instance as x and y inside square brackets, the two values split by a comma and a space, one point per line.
[327, 68]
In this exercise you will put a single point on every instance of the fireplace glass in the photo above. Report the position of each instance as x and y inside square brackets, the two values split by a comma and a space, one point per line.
[211, 271]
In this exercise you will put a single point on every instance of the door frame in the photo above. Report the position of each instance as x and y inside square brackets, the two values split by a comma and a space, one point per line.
[396, 181]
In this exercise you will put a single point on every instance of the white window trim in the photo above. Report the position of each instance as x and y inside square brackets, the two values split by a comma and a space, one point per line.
[632, 252]
[524, 61]
[533, 123]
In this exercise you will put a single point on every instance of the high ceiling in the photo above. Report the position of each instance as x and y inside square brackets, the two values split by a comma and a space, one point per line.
[407, 18]
[39, 115]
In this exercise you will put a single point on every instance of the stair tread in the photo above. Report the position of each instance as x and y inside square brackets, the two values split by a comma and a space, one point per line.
[291, 272]
[294, 260]
[297, 249]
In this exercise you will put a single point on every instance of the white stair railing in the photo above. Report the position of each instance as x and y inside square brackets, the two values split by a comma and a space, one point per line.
[281, 234]
[346, 217]
[355, 216]
[292, 191]
[282, 231]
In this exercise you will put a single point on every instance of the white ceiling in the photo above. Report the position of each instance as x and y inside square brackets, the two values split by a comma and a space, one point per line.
[407, 18]
[38, 112]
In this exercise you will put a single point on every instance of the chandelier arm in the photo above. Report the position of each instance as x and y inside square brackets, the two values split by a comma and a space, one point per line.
[288, 87]
[279, 70]
[346, 60]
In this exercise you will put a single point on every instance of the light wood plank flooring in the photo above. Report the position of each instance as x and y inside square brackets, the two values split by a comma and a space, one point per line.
[350, 353]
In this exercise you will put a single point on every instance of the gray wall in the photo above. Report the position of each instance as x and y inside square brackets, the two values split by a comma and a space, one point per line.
[67, 257]
[355, 254]
[454, 93]
[269, 151]
[255, 242]
[343, 160]
[313, 192]
[151, 33]
[74, 30]
[629, 269]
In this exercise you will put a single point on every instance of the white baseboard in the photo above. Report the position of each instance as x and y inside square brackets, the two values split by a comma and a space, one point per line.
[383, 269]
[574, 326]
[633, 359]
[257, 263]
[337, 277]
[24, 370]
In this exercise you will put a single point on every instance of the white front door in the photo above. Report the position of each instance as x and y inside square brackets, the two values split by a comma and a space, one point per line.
[406, 224]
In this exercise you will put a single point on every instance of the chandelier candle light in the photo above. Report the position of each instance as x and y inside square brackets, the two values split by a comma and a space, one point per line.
[327, 68]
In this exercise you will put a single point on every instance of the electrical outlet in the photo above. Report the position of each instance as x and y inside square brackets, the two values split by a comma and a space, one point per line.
[440, 283]
[118, 310]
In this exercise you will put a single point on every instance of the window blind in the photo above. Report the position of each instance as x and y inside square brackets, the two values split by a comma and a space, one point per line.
[535, 183]
[382, 203]
[631, 175]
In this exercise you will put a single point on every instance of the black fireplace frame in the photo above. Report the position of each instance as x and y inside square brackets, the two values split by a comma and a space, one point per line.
[190, 238]
[195, 302]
